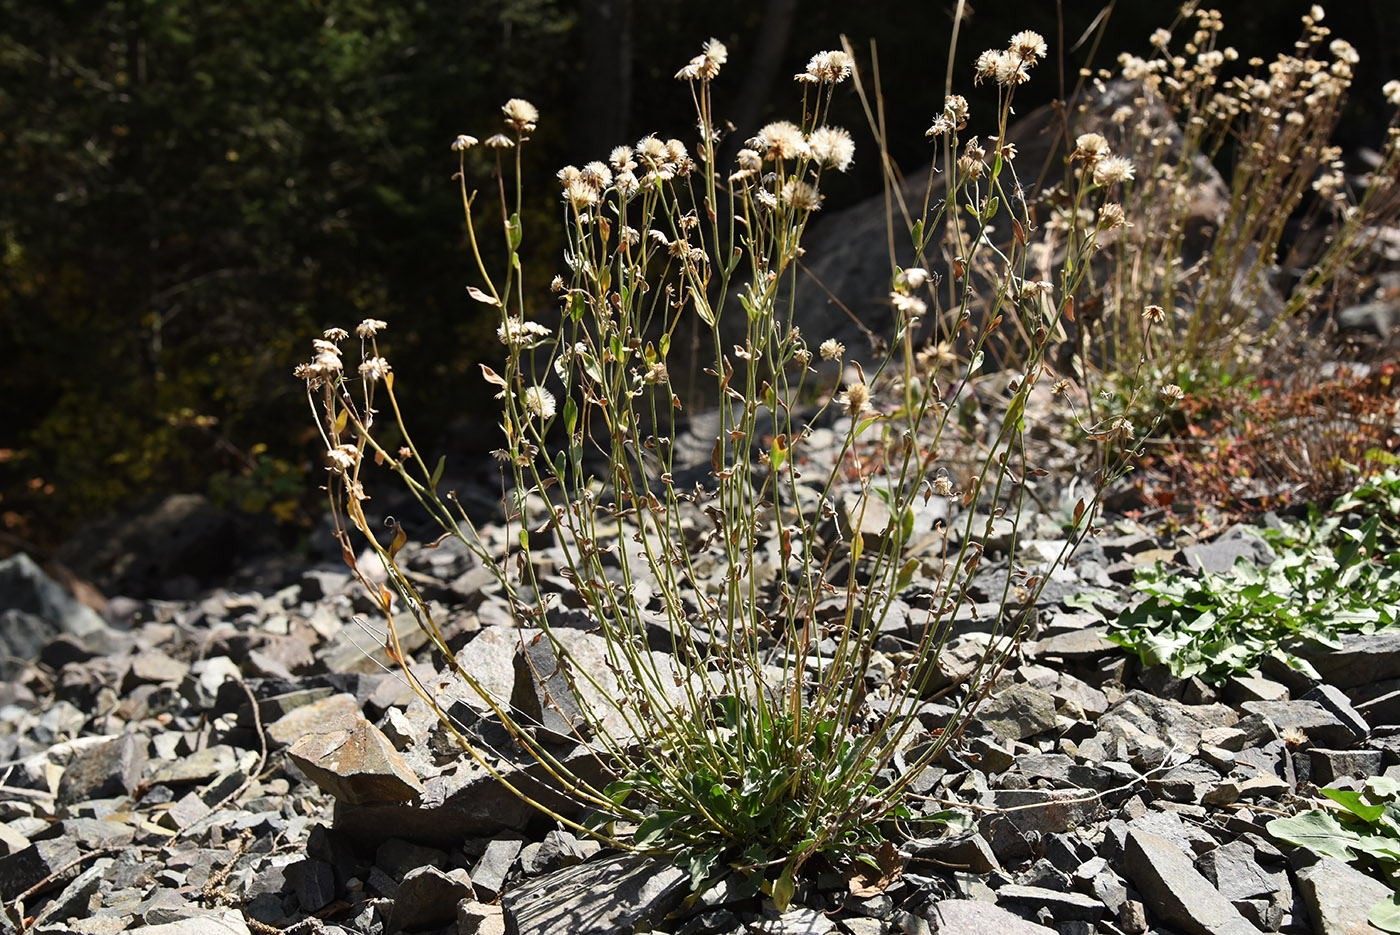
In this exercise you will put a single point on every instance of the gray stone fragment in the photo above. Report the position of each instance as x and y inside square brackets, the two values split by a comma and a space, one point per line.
[799, 920]
[1254, 687]
[195, 768]
[229, 922]
[1148, 727]
[971, 917]
[26, 868]
[1234, 870]
[36, 609]
[616, 894]
[474, 918]
[1016, 713]
[1361, 660]
[324, 714]
[1063, 907]
[1338, 897]
[397, 857]
[75, 900]
[1219, 556]
[1187, 782]
[105, 771]
[490, 872]
[969, 852]
[1096, 879]
[428, 896]
[1172, 888]
[1319, 724]
[1046, 810]
[356, 764]
[1332, 698]
[541, 695]
[1328, 766]
[313, 881]
[11, 841]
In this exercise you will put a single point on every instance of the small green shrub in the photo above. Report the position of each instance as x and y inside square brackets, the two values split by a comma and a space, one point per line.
[1361, 828]
[1336, 573]
[749, 746]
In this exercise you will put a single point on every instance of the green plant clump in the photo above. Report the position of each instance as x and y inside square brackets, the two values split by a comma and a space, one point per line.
[1360, 828]
[730, 721]
[1333, 575]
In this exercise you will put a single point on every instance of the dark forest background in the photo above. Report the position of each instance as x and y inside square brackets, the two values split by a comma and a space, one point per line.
[191, 190]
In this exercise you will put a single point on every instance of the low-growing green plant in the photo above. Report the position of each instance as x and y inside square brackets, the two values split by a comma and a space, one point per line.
[1336, 573]
[748, 745]
[1361, 828]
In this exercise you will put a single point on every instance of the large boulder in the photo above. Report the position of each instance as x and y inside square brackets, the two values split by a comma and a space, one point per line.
[34, 610]
[163, 548]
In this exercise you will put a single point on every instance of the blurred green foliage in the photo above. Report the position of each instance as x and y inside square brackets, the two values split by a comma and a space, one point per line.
[191, 191]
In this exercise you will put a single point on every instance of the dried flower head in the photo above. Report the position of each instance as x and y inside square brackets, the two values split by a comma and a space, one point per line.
[374, 369]
[1090, 147]
[912, 278]
[855, 398]
[1120, 428]
[539, 402]
[832, 148]
[1391, 90]
[706, 65]
[499, 141]
[907, 305]
[1113, 169]
[520, 114]
[943, 486]
[370, 327]
[335, 334]
[1111, 216]
[827, 67]
[832, 349]
[1028, 44]
[800, 196]
[522, 334]
[1170, 393]
[342, 458]
[463, 143]
[781, 140]
[1154, 314]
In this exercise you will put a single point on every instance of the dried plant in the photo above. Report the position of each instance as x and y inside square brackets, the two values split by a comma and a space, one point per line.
[1206, 255]
[750, 744]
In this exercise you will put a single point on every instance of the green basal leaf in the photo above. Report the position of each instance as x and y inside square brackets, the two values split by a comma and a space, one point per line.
[654, 827]
[783, 887]
[1382, 788]
[906, 574]
[1354, 803]
[1318, 831]
[1385, 915]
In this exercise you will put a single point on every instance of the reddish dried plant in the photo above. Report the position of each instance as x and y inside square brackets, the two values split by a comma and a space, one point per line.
[1273, 443]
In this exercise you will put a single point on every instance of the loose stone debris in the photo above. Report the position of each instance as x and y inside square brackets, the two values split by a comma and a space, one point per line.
[239, 762]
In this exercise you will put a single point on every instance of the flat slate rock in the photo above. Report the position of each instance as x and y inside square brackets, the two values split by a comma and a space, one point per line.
[595, 898]
[1176, 892]
[971, 917]
[357, 765]
[1339, 898]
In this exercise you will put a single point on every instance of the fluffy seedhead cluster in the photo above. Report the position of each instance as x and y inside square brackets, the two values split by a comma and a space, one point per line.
[1208, 250]
[738, 605]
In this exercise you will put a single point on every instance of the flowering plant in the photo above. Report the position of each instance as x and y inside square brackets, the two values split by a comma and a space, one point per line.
[743, 716]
